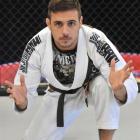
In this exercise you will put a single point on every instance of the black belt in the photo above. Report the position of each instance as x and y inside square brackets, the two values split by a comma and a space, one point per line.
[60, 107]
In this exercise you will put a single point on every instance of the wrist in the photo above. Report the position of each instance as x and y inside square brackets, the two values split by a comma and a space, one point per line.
[121, 95]
[22, 107]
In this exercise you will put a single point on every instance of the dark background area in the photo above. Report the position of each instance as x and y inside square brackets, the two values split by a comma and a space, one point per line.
[21, 19]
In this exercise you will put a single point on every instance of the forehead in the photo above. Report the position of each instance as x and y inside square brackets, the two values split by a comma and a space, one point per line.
[65, 15]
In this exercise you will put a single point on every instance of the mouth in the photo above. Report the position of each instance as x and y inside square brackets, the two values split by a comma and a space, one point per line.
[65, 38]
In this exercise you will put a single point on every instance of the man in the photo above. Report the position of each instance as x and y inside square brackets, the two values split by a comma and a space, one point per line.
[82, 68]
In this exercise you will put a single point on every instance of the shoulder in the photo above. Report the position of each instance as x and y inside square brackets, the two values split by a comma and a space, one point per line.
[44, 33]
[92, 33]
[39, 40]
[36, 44]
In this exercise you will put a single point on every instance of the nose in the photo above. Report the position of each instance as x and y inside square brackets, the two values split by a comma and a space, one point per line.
[65, 30]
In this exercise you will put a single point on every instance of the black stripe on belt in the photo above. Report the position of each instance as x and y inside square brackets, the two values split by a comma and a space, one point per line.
[60, 107]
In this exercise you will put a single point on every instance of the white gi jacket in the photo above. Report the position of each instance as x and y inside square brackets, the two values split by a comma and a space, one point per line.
[37, 62]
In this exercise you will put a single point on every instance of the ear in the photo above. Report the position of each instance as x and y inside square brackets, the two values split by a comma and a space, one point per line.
[81, 20]
[48, 22]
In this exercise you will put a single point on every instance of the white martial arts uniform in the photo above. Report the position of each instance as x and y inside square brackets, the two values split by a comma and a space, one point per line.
[37, 62]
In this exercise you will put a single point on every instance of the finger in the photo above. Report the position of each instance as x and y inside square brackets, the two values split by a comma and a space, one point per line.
[130, 69]
[12, 97]
[128, 64]
[112, 65]
[9, 84]
[8, 90]
[22, 80]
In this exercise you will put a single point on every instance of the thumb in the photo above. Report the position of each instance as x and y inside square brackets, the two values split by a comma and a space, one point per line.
[22, 80]
[112, 65]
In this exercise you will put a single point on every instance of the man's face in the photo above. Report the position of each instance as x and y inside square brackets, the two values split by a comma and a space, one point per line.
[65, 27]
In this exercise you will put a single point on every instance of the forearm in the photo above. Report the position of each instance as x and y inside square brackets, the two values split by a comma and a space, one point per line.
[121, 94]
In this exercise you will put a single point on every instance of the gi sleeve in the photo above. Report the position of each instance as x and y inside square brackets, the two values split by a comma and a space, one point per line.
[103, 54]
[30, 68]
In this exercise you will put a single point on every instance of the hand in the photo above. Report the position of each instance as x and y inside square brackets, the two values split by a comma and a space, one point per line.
[117, 77]
[18, 92]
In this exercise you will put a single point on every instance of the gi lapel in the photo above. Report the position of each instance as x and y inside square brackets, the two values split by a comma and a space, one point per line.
[81, 63]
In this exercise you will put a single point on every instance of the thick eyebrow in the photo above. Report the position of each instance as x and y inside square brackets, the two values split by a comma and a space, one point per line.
[72, 21]
[57, 21]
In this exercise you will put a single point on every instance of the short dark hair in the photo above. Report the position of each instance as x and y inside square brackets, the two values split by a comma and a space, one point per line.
[63, 5]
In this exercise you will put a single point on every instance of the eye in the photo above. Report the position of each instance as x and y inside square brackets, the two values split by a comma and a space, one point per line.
[58, 24]
[71, 23]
